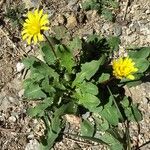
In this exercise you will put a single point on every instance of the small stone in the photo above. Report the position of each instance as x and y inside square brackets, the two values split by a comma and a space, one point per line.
[147, 11]
[21, 92]
[72, 2]
[71, 22]
[12, 119]
[33, 145]
[30, 136]
[20, 66]
[11, 99]
[86, 115]
[128, 32]
[72, 5]
[117, 30]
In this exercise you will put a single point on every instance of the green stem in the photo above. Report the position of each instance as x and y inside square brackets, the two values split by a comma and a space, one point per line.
[50, 44]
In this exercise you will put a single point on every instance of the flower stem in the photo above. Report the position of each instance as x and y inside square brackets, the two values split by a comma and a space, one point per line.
[50, 44]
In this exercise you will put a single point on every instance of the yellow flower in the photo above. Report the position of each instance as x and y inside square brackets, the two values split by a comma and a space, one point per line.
[124, 68]
[35, 23]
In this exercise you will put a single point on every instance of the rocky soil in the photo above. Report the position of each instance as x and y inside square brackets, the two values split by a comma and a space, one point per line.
[17, 130]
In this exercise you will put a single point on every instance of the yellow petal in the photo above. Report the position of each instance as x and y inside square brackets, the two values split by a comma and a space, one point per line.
[44, 28]
[43, 19]
[40, 37]
[29, 40]
[25, 36]
[35, 39]
[40, 13]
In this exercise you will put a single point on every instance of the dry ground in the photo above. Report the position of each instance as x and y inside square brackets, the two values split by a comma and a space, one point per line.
[18, 131]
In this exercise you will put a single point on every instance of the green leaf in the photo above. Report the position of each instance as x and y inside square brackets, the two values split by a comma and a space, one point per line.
[114, 43]
[142, 53]
[104, 77]
[29, 61]
[110, 114]
[40, 108]
[125, 102]
[91, 4]
[89, 101]
[142, 64]
[113, 3]
[132, 113]
[54, 131]
[34, 92]
[88, 87]
[101, 124]
[112, 99]
[107, 14]
[45, 70]
[88, 70]
[60, 32]
[76, 44]
[54, 125]
[48, 87]
[66, 57]
[48, 54]
[137, 114]
[113, 143]
[87, 129]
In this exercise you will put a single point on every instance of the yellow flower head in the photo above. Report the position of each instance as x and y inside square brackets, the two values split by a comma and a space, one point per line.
[124, 68]
[35, 23]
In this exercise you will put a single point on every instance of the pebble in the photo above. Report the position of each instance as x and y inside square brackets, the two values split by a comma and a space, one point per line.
[30, 136]
[72, 5]
[20, 93]
[147, 11]
[12, 119]
[117, 30]
[33, 145]
[11, 99]
[72, 2]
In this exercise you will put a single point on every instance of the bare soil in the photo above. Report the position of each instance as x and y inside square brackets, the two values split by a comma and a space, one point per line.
[17, 130]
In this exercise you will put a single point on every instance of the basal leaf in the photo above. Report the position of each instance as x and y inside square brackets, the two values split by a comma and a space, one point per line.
[107, 14]
[88, 87]
[142, 64]
[111, 115]
[114, 43]
[104, 77]
[45, 70]
[89, 101]
[136, 112]
[113, 143]
[76, 44]
[142, 53]
[34, 92]
[60, 32]
[88, 70]
[66, 57]
[29, 61]
[87, 128]
[101, 124]
[39, 109]
[48, 54]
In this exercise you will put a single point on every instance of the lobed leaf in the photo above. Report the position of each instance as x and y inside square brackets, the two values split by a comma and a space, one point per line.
[34, 91]
[87, 129]
[88, 70]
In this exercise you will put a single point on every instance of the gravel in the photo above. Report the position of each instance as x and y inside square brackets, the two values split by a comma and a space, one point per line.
[134, 31]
